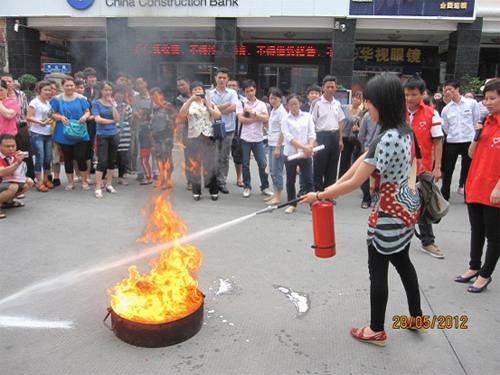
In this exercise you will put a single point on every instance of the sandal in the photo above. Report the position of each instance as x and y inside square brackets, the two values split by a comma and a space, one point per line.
[273, 202]
[123, 182]
[42, 188]
[90, 182]
[12, 204]
[21, 196]
[2, 215]
[365, 205]
[132, 172]
[69, 187]
[48, 184]
[146, 182]
[85, 187]
[98, 193]
[110, 189]
[240, 183]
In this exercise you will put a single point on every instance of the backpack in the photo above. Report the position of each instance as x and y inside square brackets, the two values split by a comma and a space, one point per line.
[433, 206]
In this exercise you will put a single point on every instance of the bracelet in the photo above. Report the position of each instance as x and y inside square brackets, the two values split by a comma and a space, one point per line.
[317, 198]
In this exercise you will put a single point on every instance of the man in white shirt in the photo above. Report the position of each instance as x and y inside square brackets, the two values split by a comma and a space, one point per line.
[459, 120]
[252, 114]
[225, 99]
[327, 115]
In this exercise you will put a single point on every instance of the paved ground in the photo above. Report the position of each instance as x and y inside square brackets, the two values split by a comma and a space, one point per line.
[271, 306]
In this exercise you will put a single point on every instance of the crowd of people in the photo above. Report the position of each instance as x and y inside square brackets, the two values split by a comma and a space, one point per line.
[371, 143]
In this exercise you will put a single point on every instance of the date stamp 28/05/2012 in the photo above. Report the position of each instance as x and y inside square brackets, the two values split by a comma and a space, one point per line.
[428, 321]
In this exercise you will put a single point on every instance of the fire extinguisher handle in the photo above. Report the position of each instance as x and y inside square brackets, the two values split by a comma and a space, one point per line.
[289, 202]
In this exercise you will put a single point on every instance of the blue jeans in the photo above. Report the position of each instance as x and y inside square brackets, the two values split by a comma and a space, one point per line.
[276, 168]
[42, 146]
[260, 157]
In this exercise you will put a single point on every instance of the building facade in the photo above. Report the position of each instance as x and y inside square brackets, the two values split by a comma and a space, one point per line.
[285, 43]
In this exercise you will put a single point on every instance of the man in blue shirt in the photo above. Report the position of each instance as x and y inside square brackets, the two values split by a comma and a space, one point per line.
[225, 99]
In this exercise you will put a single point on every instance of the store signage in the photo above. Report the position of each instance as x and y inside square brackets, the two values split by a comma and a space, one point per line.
[171, 3]
[464, 9]
[81, 4]
[57, 68]
[363, 54]
[390, 55]
[209, 49]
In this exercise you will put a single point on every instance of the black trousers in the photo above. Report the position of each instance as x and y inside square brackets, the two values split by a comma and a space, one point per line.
[326, 161]
[122, 162]
[202, 150]
[74, 152]
[484, 225]
[378, 265]
[291, 175]
[448, 161]
[349, 154]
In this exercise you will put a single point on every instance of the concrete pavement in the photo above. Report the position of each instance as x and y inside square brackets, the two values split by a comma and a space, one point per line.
[271, 306]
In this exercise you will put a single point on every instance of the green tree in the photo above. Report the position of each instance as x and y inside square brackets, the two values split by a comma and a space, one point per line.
[470, 84]
[28, 82]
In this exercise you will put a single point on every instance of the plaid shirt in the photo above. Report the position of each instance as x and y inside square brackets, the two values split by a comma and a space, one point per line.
[23, 106]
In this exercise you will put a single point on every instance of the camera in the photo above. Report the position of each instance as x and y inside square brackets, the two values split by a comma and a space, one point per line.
[201, 95]
[246, 114]
[26, 154]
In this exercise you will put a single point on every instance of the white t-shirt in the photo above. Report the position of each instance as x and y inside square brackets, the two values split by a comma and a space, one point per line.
[42, 110]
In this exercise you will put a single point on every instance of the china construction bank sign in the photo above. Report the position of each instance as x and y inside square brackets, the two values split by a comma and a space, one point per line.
[85, 4]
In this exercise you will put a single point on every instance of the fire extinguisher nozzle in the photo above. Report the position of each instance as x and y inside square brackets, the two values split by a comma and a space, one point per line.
[268, 209]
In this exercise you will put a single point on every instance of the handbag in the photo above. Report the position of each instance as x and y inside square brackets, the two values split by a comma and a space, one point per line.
[74, 130]
[219, 129]
[433, 206]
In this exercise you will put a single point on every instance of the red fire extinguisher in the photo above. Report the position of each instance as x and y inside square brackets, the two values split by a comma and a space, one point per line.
[324, 229]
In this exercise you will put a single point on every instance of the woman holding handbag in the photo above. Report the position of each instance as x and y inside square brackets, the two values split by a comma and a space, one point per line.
[202, 143]
[70, 109]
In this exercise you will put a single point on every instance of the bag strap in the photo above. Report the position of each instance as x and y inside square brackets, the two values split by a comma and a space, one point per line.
[239, 125]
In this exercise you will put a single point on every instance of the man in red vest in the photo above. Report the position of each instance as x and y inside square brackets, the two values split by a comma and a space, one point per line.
[426, 124]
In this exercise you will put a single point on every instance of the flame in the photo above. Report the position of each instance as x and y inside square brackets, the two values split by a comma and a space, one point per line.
[179, 121]
[170, 291]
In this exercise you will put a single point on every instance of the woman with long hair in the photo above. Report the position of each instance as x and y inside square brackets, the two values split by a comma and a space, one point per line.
[106, 116]
[66, 106]
[483, 194]
[39, 116]
[391, 163]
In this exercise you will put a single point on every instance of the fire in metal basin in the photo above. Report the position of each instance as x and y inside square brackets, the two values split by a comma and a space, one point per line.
[164, 307]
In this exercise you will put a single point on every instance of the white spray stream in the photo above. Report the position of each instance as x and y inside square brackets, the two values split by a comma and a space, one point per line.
[74, 276]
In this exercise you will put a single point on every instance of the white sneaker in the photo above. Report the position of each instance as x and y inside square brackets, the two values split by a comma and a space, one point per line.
[290, 209]
[246, 193]
[267, 192]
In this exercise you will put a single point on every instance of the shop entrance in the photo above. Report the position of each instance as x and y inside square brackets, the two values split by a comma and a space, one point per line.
[289, 78]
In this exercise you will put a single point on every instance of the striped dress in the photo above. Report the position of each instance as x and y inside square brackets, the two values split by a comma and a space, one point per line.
[397, 203]
[124, 127]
